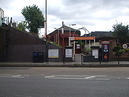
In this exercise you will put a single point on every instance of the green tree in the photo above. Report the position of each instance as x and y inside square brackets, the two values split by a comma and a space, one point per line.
[34, 18]
[120, 32]
[22, 26]
[118, 52]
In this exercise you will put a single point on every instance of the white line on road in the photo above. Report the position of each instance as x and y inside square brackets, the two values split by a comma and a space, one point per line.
[90, 77]
[17, 76]
[49, 76]
[79, 77]
[66, 78]
[71, 75]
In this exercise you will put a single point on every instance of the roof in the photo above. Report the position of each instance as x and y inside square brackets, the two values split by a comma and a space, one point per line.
[100, 34]
[66, 29]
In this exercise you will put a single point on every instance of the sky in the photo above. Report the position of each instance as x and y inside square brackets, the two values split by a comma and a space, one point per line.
[94, 15]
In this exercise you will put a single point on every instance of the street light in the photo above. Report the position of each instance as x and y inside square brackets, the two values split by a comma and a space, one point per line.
[85, 35]
[86, 29]
[45, 26]
[63, 32]
[83, 28]
[45, 18]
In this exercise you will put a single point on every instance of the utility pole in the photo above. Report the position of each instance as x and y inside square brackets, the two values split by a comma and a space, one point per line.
[63, 42]
[46, 18]
[45, 22]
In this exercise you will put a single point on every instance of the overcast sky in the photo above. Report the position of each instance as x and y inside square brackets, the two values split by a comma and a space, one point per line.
[95, 15]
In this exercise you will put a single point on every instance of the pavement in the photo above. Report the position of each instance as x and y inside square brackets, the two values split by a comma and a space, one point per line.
[66, 64]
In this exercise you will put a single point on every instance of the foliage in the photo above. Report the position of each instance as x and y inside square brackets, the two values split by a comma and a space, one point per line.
[120, 32]
[80, 42]
[34, 18]
[76, 65]
[126, 50]
[87, 50]
[118, 50]
[22, 26]
[54, 44]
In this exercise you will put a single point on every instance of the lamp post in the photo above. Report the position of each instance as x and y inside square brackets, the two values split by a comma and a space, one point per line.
[63, 41]
[46, 18]
[83, 28]
[45, 26]
[85, 35]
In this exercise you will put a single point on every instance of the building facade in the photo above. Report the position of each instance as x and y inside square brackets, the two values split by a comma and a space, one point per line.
[61, 35]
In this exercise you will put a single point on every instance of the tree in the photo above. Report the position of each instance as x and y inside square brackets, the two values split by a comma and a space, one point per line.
[34, 18]
[121, 33]
[22, 26]
[118, 52]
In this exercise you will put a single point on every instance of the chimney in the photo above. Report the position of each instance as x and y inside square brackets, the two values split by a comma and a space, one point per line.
[62, 27]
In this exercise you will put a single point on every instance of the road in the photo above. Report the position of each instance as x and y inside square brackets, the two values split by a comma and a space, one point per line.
[64, 82]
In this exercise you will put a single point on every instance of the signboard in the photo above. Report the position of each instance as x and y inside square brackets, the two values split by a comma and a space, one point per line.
[125, 46]
[82, 38]
[53, 53]
[105, 47]
[78, 46]
[105, 42]
[68, 53]
[95, 53]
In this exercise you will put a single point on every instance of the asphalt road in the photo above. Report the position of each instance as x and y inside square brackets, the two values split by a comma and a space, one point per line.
[64, 82]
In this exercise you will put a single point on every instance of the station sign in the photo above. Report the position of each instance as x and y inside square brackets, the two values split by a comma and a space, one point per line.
[82, 38]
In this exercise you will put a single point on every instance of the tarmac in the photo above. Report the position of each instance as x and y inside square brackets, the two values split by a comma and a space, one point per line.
[66, 64]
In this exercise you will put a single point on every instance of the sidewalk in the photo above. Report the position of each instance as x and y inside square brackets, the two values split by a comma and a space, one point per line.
[66, 64]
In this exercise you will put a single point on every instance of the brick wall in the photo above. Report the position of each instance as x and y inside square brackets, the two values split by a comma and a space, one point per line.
[21, 45]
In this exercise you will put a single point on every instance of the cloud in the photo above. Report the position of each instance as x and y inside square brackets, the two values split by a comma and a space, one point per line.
[5, 4]
[94, 11]
[93, 14]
